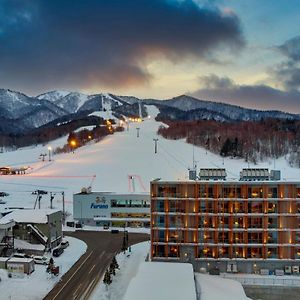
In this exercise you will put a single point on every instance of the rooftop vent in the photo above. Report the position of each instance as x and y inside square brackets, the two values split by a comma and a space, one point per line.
[212, 174]
[275, 175]
[192, 175]
[254, 175]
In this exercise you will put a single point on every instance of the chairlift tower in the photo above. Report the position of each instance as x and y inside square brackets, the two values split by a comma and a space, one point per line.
[140, 110]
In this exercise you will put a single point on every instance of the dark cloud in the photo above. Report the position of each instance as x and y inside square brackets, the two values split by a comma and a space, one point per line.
[288, 72]
[67, 43]
[291, 49]
[223, 89]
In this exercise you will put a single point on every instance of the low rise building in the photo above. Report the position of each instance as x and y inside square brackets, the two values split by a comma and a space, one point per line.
[6, 237]
[20, 265]
[36, 226]
[111, 209]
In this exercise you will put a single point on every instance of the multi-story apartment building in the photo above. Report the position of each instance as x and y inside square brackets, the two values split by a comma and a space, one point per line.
[243, 225]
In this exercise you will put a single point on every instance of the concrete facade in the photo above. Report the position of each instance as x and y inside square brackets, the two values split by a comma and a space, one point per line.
[110, 209]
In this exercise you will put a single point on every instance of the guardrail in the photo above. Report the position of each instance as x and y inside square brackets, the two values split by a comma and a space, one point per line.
[264, 280]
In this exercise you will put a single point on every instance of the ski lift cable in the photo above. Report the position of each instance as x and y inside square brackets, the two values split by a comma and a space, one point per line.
[174, 157]
[169, 163]
[34, 185]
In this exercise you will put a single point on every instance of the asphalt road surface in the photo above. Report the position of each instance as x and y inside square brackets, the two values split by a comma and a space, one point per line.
[81, 279]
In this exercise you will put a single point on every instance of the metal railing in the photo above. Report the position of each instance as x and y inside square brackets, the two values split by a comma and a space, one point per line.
[263, 280]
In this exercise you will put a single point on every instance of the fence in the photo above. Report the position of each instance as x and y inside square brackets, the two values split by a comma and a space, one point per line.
[264, 280]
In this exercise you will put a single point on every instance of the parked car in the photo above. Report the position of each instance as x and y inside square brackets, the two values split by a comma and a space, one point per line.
[21, 255]
[57, 252]
[64, 244]
[41, 260]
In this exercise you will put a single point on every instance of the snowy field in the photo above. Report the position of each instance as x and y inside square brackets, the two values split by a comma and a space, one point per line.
[112, 160]
[37, 285]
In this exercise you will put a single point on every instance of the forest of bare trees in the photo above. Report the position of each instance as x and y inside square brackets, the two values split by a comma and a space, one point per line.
[253, 141]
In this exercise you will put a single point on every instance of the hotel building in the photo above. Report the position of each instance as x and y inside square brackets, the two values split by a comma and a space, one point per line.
[244, 225]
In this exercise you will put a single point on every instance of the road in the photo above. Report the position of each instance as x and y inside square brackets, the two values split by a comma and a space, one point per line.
[81, 279]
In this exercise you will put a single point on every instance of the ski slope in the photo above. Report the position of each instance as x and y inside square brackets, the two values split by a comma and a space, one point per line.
[112, 160]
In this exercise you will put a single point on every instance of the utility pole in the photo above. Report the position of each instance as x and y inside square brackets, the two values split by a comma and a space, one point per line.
[63, 201]
[42, 155]
[138, 132]
[155, 145]
[39, 200]
[51, 200]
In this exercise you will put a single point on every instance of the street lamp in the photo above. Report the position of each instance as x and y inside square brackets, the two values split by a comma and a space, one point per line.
[73, 144]
[125, 240]
[49, 152]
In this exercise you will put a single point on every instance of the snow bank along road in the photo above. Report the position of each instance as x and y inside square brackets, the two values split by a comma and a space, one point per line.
[82, 278]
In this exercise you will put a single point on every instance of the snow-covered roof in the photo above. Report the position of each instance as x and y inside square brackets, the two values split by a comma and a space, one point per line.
[37, 216]
[6, 224]
[160, 281]
[20, 244]
[4, 259]
[19, 260]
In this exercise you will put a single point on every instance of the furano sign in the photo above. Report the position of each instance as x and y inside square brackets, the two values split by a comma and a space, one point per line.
[100, 203]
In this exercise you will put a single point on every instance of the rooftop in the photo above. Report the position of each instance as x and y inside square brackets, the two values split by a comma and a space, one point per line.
[37, 216]
[171, 281]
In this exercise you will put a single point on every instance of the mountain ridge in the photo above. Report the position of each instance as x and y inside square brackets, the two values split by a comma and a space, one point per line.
[32, 112]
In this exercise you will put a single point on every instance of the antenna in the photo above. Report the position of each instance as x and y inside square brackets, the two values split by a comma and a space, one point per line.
[193, 156]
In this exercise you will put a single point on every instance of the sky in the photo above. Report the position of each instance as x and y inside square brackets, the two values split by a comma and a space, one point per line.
[240, 52]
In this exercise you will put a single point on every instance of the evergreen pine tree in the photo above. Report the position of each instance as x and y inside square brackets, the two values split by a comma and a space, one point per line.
[107, 278]
[112, 269]
[114, 261]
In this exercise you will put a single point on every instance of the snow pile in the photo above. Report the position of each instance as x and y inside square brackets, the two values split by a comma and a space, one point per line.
[129, 264]
[161, 281]
[37, 285]
[211, 287]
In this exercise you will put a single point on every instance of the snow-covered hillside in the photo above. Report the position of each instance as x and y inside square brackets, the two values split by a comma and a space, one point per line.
[112, 160]
[21, 114]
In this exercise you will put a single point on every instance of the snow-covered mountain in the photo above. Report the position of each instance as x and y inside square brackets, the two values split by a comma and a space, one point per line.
[191, 106]
[101, 102]
[14, 104]
[53, 95]
[21, 113]
[69, 101]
